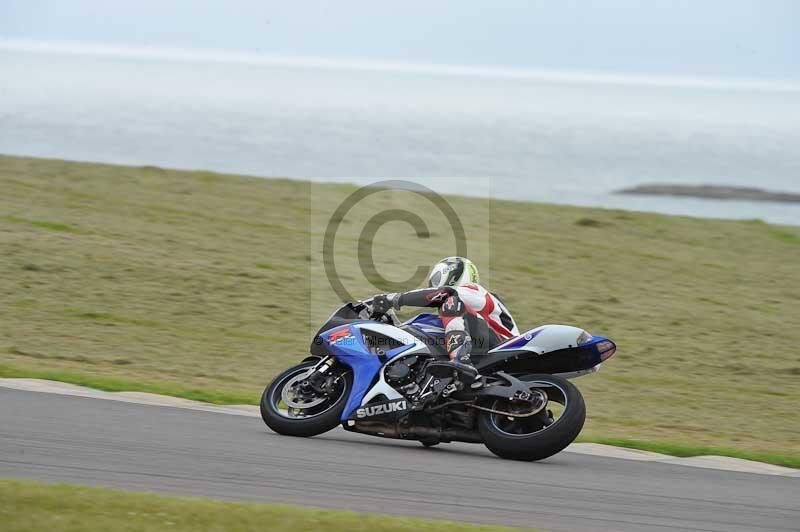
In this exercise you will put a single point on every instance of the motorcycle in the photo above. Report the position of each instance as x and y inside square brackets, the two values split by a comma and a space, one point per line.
[374, 375]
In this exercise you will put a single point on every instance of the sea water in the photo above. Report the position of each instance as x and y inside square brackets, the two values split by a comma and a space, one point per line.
[544, 137]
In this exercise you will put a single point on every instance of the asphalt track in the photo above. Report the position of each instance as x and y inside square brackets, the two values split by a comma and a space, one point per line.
[170, 450]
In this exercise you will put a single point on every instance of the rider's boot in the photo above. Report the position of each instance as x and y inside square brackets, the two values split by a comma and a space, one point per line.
[467, 373]
[459, 346]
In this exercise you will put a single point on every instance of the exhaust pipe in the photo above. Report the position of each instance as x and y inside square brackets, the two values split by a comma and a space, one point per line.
[386, 430]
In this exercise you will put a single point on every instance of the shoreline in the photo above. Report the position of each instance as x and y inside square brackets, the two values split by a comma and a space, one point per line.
[527, 202]
[717, 192]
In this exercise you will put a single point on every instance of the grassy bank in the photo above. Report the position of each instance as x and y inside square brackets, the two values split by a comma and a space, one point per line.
[32, 507]
[684, 450]
[198, 284]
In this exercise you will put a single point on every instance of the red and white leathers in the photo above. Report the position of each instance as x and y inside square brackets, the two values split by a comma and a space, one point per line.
[472, 317]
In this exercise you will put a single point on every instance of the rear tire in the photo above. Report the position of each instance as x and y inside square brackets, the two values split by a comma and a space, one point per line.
[545, 442]
[302, 427]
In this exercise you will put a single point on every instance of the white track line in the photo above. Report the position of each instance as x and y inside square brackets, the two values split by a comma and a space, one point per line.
[723, 463]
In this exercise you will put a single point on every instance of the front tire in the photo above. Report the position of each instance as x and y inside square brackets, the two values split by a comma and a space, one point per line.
[539, 436]
[298, 421]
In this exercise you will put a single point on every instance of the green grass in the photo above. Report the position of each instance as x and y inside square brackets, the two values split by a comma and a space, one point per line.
[33, 507]
[688, 450]
[52, 226]
[110, 384]
[206, 285]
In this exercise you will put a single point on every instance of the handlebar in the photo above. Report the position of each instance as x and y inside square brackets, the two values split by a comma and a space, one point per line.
[365, 307]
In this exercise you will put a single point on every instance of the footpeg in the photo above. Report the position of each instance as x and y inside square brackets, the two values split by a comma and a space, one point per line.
[478, 384]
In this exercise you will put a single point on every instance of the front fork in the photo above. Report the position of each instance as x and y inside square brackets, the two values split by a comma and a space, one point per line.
[320, 379]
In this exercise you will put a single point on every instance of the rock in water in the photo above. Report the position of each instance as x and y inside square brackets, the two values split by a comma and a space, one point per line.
[713, 192]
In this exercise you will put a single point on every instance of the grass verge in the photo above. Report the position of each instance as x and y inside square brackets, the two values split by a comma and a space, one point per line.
[674, 449]
[109, 384]
[33, 506]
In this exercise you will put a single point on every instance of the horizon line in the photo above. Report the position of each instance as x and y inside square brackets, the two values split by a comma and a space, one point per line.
[103, 49]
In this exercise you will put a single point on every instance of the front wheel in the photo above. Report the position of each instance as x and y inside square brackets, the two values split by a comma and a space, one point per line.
[560, 414]
[293, 406]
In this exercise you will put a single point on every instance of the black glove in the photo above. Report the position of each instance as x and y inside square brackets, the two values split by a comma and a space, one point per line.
[383, 303]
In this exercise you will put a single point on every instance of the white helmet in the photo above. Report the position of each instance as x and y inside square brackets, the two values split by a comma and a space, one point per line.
[453, 271]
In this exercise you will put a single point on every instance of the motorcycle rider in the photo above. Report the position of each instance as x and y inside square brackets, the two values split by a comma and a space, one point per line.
[471, 315]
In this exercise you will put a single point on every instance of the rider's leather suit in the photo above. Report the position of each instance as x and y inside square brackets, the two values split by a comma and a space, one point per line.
[473, 317]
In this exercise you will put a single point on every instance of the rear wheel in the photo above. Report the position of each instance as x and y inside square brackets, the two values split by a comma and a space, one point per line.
[293, 406]
[560, 414]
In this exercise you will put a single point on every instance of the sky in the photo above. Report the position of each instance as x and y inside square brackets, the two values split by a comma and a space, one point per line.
[752, 39]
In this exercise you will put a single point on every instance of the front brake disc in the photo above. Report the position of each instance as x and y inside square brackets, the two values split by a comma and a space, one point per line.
[294, 400]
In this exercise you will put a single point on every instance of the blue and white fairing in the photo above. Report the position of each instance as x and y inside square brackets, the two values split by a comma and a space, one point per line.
[552, 338]
[347, 344]
[430, 324]
[548, 338]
